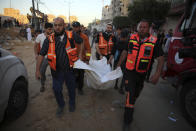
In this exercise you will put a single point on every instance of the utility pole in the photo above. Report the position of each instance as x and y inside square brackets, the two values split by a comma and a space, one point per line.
[38, 22]
[69, 4]
[10, 3]
[69, 11]
[37, 4]
[34, 20]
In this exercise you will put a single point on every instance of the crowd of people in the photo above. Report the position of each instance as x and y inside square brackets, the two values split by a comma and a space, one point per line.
[134, 52]
[8, 23]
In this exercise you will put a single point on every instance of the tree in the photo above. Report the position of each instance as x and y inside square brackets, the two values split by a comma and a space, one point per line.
[121, 21]
[151, 10]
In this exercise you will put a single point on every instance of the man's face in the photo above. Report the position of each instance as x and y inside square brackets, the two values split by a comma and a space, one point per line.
[58, 26]
[76, 28]
[49, 31]
[109, 28]
[143, 28]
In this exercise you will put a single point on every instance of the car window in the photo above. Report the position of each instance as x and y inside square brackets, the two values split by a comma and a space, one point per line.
[187, 22]
[193, 25]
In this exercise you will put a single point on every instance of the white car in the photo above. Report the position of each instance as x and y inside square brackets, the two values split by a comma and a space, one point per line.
[13, 86]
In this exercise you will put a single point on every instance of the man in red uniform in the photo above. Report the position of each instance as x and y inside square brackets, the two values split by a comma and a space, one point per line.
[142, 49]
[104, 43]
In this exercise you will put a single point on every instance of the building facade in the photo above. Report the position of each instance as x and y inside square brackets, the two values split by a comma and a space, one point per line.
[73, 18]
[15, 13]
[51, 17]
[124, 7]
[116, 8]
[106, 12]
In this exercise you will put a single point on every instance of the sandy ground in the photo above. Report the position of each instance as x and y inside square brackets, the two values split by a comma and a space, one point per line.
[97, 110]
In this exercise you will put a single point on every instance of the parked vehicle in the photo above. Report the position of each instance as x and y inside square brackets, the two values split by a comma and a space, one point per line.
[13, 86]
[181, 62]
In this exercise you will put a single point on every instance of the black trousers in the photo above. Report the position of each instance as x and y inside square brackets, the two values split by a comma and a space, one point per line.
[79, 73]
[134, 82]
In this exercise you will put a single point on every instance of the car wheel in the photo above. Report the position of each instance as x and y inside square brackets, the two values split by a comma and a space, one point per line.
[188, 100]
[17, 100]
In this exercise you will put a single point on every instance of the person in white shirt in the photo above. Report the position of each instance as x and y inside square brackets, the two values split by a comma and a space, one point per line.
[37, 47]
[29, 36]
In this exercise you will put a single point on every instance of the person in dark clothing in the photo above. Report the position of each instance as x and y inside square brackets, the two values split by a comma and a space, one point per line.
[59, 47]
[117, 49]
[168, 35]
[118, 33]
[161, 37]
[86, 54]
[104, 43]
[142, 48]
[5, 24]
[94, 35]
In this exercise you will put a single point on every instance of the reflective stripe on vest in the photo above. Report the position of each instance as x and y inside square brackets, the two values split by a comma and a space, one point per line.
[140, 55]
[71, 52]
[104, 46]
[88, 54]
[128, 101]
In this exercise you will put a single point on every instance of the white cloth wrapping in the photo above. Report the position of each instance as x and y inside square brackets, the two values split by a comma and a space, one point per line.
[98, 73]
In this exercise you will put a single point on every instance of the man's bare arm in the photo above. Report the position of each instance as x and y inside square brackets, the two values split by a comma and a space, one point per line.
[155, 78]
[38, 64]
[35, 50]
[122, 57]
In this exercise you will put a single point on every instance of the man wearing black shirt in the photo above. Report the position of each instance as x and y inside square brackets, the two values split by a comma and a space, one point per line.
[117, 49]
[63, 70]
[104, 46]
[142, 48]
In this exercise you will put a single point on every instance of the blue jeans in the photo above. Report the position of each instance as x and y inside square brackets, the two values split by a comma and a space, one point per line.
[70, 82]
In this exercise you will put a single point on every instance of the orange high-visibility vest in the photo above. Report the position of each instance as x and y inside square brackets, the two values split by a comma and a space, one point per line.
[86, 53]
[104, 46]
[71, 51]
[140, 54]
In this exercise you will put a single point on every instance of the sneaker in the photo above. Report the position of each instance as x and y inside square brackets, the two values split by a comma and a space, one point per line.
[80, 92]
[42, 89]
[59, 112]
[72, 108]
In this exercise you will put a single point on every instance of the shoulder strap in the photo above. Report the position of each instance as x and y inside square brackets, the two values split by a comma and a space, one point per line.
[70, 38]
[152, 39]
[51, 38]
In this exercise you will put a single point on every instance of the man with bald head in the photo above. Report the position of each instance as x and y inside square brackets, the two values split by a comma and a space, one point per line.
[60, 47]
[142, 48]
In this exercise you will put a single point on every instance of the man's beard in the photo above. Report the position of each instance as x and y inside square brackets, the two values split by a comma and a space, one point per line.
[143, 35]
[108, 32]
[59, 33]
[78, 31]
